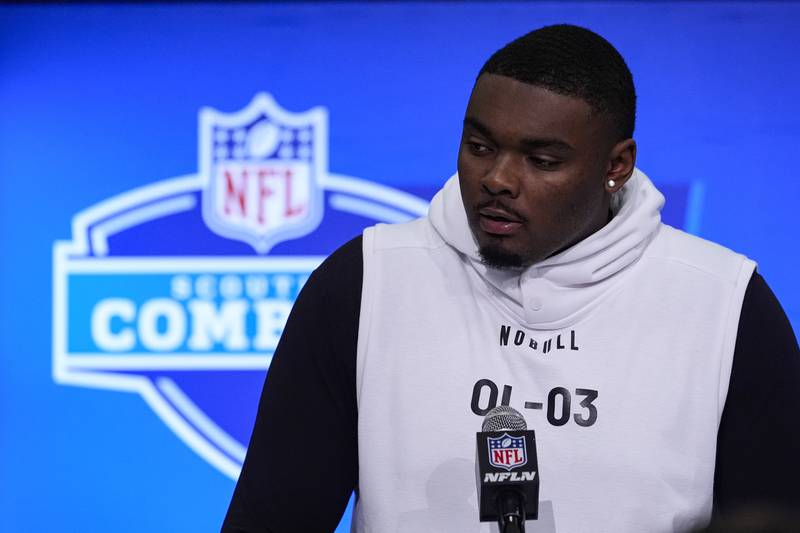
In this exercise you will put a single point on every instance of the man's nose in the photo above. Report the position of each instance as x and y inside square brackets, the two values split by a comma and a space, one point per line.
[503, 177]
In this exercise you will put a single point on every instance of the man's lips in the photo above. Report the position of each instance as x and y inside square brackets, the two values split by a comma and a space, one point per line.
[498, 221]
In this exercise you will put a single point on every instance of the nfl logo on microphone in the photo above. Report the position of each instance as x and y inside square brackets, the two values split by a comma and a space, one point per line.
[507, 452]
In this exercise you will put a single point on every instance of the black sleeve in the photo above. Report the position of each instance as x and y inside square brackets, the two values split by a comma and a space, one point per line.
[302, 461]
[758, 444]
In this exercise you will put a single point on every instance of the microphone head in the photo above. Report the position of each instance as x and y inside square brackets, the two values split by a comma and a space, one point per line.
[504, 418]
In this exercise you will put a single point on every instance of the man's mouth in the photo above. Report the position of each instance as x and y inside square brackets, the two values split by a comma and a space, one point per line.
[498, 221]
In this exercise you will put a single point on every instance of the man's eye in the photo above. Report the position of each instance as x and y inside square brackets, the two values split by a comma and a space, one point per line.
[545, 164]
[478, 148]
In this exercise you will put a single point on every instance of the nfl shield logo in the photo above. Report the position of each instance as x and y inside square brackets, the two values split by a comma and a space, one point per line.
[263, 166]
[507, 452]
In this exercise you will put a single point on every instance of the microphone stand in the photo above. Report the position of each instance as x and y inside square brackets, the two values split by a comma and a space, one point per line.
[511, 512]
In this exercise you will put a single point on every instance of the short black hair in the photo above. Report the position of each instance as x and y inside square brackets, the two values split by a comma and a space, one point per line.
[572, 61]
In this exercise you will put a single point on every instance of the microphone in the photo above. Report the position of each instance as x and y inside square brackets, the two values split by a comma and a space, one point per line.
[507, 470]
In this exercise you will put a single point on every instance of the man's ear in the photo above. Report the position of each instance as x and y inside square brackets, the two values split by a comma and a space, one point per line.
[621, 163]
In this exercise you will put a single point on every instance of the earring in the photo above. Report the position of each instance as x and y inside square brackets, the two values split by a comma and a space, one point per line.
[611, 184]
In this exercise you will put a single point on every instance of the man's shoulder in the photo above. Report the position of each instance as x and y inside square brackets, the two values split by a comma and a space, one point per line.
[343, 265]
[416, 234]
[347, 260]
[684, 250]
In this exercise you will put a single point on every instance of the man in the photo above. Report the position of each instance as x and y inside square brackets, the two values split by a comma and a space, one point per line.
[657, 369]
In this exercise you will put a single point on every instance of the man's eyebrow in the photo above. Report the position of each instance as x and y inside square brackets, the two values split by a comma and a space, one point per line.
[554, 143]
[476, 124]
[557, 144]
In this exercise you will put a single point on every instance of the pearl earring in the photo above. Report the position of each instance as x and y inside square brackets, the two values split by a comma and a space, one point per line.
[611, 184]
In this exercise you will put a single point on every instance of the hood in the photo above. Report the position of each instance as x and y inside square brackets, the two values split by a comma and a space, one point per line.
[555, 292]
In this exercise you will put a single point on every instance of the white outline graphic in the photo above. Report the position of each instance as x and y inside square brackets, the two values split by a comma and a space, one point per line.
[367, 208]
[91, 230]
[87, 253]
[195, 415]
[100, 233]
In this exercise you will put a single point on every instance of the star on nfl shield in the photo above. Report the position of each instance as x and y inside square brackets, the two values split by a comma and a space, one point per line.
[263, 167]
[507, 452]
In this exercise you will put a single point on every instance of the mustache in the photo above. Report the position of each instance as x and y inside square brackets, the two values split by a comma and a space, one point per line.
[496, 203]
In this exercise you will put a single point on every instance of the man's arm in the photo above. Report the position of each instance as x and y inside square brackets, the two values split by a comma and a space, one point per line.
[302, 461]
[758, 444]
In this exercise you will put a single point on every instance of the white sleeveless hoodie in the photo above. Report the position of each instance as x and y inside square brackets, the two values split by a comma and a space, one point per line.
[617, 351]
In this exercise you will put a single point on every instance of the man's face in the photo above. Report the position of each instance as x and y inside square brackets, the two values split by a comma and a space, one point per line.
[532, 166]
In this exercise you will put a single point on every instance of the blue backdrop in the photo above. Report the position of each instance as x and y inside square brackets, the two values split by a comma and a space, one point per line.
[98, 100]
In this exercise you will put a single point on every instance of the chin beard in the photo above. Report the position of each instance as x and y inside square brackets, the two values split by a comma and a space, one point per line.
[495, 257]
